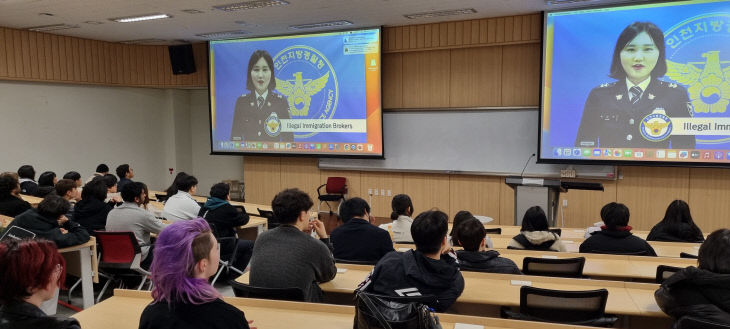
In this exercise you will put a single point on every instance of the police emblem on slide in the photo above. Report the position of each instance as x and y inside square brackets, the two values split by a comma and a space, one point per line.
[655, 127]
[272, 125]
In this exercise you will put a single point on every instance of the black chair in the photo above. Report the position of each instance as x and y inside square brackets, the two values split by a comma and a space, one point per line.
[335, 190]
[569, 307]
[240, 209]
[228, 248]
[557, 231]
[633, 253]
[269, 215]
[161, 197]
[687, 255]
[497, 230]
[562, 267]
[244, 290]
[688, 322]
[663, 272]
[356, 262]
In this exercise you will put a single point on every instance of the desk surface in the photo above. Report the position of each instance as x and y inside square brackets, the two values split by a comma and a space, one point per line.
[123, 311]
[34, 201]
[251, 208]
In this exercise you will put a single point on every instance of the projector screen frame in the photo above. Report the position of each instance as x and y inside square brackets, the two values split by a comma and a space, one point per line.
[303, 155]
[541, 159]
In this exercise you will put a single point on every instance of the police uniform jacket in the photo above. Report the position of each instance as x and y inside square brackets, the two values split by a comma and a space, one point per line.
[249, 122]
[611, 120]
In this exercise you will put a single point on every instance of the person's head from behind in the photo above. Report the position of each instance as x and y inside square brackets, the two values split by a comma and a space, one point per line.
[615, 216]
[124, 171]
[102, 169]
[290, 206]
[459, 218]
[134, 193]
[188, 184]
[714, 254]
[354, 208]
[146, 194]
[53, 206]
[110, 181]
[402, 206]
[639, 53]
[74, 176]
[185, 256]
[429, 231]
[47, 178]
[220, 191]
[472, 235]
[30, 270]
[9, 184]
[260, 72]
[68, 190]
[678, 217]
[95, 189]
[534, 220]
[27, 172]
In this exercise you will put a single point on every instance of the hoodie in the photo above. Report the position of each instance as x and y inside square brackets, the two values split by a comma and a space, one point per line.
[486, 261]
[698, 293]
[537, 240]
[28, 186]
[48, 228]
[223, 216]
[411, 273]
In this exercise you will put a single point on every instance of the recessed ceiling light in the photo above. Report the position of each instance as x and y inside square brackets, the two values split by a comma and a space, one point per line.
[145, 17]
[255, 4]
[54, 27]
[320, 25]
[93, 22]
[451, 12]
[192, 11]
[223, 34]
[142, 41]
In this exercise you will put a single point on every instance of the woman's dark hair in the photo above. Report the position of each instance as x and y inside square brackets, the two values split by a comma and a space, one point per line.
[459, 218]
[172, 190]
[109, 180]
[714, 254]
[186, 183]
[95, 189]
[678, 214]
[628, 34]
[429, 229]
[289, 204]
[252, 61]
[401, 204]
[131, 191]
[46, 178]
[220, 191]
[27, 172]
[534, 220]
[72, 175]
[8, 183]
[470, 233]
[615, 215]
[102, 168]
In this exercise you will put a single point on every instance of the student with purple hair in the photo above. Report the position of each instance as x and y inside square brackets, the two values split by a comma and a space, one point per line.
[185, 256]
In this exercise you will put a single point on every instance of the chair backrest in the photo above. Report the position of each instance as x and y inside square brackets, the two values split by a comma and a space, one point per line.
[270, 219]
[562, 267]
[631, 253]
[688, 322]
[336, 185]
[497, 230]
[356, 262]
[240, 209]
[563, 306]
[663, 272]
[244, 290]
[687, 255]
[118, 249]
[556, 231]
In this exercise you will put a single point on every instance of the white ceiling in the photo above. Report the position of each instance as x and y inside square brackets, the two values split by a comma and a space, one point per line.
[23, 14]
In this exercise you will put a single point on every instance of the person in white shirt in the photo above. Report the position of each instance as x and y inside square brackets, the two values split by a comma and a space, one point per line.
[182, 206]
[400, 228]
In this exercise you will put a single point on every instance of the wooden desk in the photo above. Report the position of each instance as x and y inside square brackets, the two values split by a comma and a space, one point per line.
[250, 207]
[81, 261]
[123, 310]
[260, 225]
[34, 201]
[5, 221]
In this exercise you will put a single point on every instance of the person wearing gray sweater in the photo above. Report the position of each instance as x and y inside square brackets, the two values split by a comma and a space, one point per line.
[287, 256]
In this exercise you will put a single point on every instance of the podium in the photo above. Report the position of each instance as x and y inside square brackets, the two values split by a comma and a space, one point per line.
[541, 192]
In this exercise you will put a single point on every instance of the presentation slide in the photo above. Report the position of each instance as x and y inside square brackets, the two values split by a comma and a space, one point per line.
[639, 83]
[314, 94]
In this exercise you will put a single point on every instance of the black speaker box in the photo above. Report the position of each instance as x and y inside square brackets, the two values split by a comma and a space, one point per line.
[181, 59]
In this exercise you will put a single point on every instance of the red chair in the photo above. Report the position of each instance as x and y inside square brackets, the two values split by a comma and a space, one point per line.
[336, 188]
[120, 256]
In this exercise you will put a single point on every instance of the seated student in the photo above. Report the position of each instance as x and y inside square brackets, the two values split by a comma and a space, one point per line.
[131, 217]
[471, 236]
[11, 204]
[615, 237]
[702, 291]
[172, 189]
[112, 194]
[677, 225]
[401, 216]
[91, 211]
[459, 218]
[101, 171]
[358, 239]
[28, 186]
[48, 221]
[30, 271]
[125, 174]
[74, 176]
[185, 257]
[288, 256]
[534, 234]
[426, 270]
[67, 189]
[182, 206]
[224, 218]
[46, 183]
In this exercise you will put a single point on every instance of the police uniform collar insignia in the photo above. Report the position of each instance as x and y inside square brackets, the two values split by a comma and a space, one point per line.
[651, 96]
[619, 97]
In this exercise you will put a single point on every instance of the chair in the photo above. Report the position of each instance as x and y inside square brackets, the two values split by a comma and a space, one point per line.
[225, 244]
[336, 188]
[558, 306]
[161, 197]
[556, 231]
[663, 272]
[563, 267]
[497, 230]
[688, 322]
[269, 215]
[244, 290]
[687, 255]
[356, 262]
[120, 256]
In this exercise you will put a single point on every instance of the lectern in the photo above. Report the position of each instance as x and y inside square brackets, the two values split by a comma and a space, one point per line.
[544, 193]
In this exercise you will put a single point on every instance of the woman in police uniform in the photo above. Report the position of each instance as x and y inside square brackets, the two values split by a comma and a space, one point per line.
[258, 114]
[635, 111]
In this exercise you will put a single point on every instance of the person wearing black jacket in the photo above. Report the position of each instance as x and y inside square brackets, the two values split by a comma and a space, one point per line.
[615, 236]
[428, 270]
[677, 225]
[357, 239]
[48, 220]
[703, 291]
[28, 185]
[46, 184]
[223, 219]
[91, 212]
[475, 256]
[10, 202]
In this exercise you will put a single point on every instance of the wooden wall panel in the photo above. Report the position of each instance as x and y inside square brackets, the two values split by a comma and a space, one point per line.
[648, 190]
[506, 204]
[426, 79]
[475, 77]
[392, 80]
[584, 206]
[380, 204]
[520, 75]
[301, 173]
[478, 194]
[262, 176]
[427, 191]
[708, 198]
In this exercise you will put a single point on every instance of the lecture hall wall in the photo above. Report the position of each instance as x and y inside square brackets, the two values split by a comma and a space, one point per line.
[475, 63]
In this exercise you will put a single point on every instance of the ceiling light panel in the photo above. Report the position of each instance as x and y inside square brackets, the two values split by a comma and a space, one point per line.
[440, 13]
[256, 4]
[320, 25]
[223, 34]
[54, 27]
[139, 18]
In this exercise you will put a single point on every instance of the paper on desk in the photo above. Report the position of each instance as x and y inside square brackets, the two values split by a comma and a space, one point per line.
[403, 249]
[341, 270]
[520, 283]
[549, 257]
[467, 326]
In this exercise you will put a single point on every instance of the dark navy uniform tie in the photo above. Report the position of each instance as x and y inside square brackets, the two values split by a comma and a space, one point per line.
[635, 92]
[261, 101]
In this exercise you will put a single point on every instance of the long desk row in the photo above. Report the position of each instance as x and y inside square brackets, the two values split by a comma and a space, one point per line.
[123, 311]
[251, 208]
